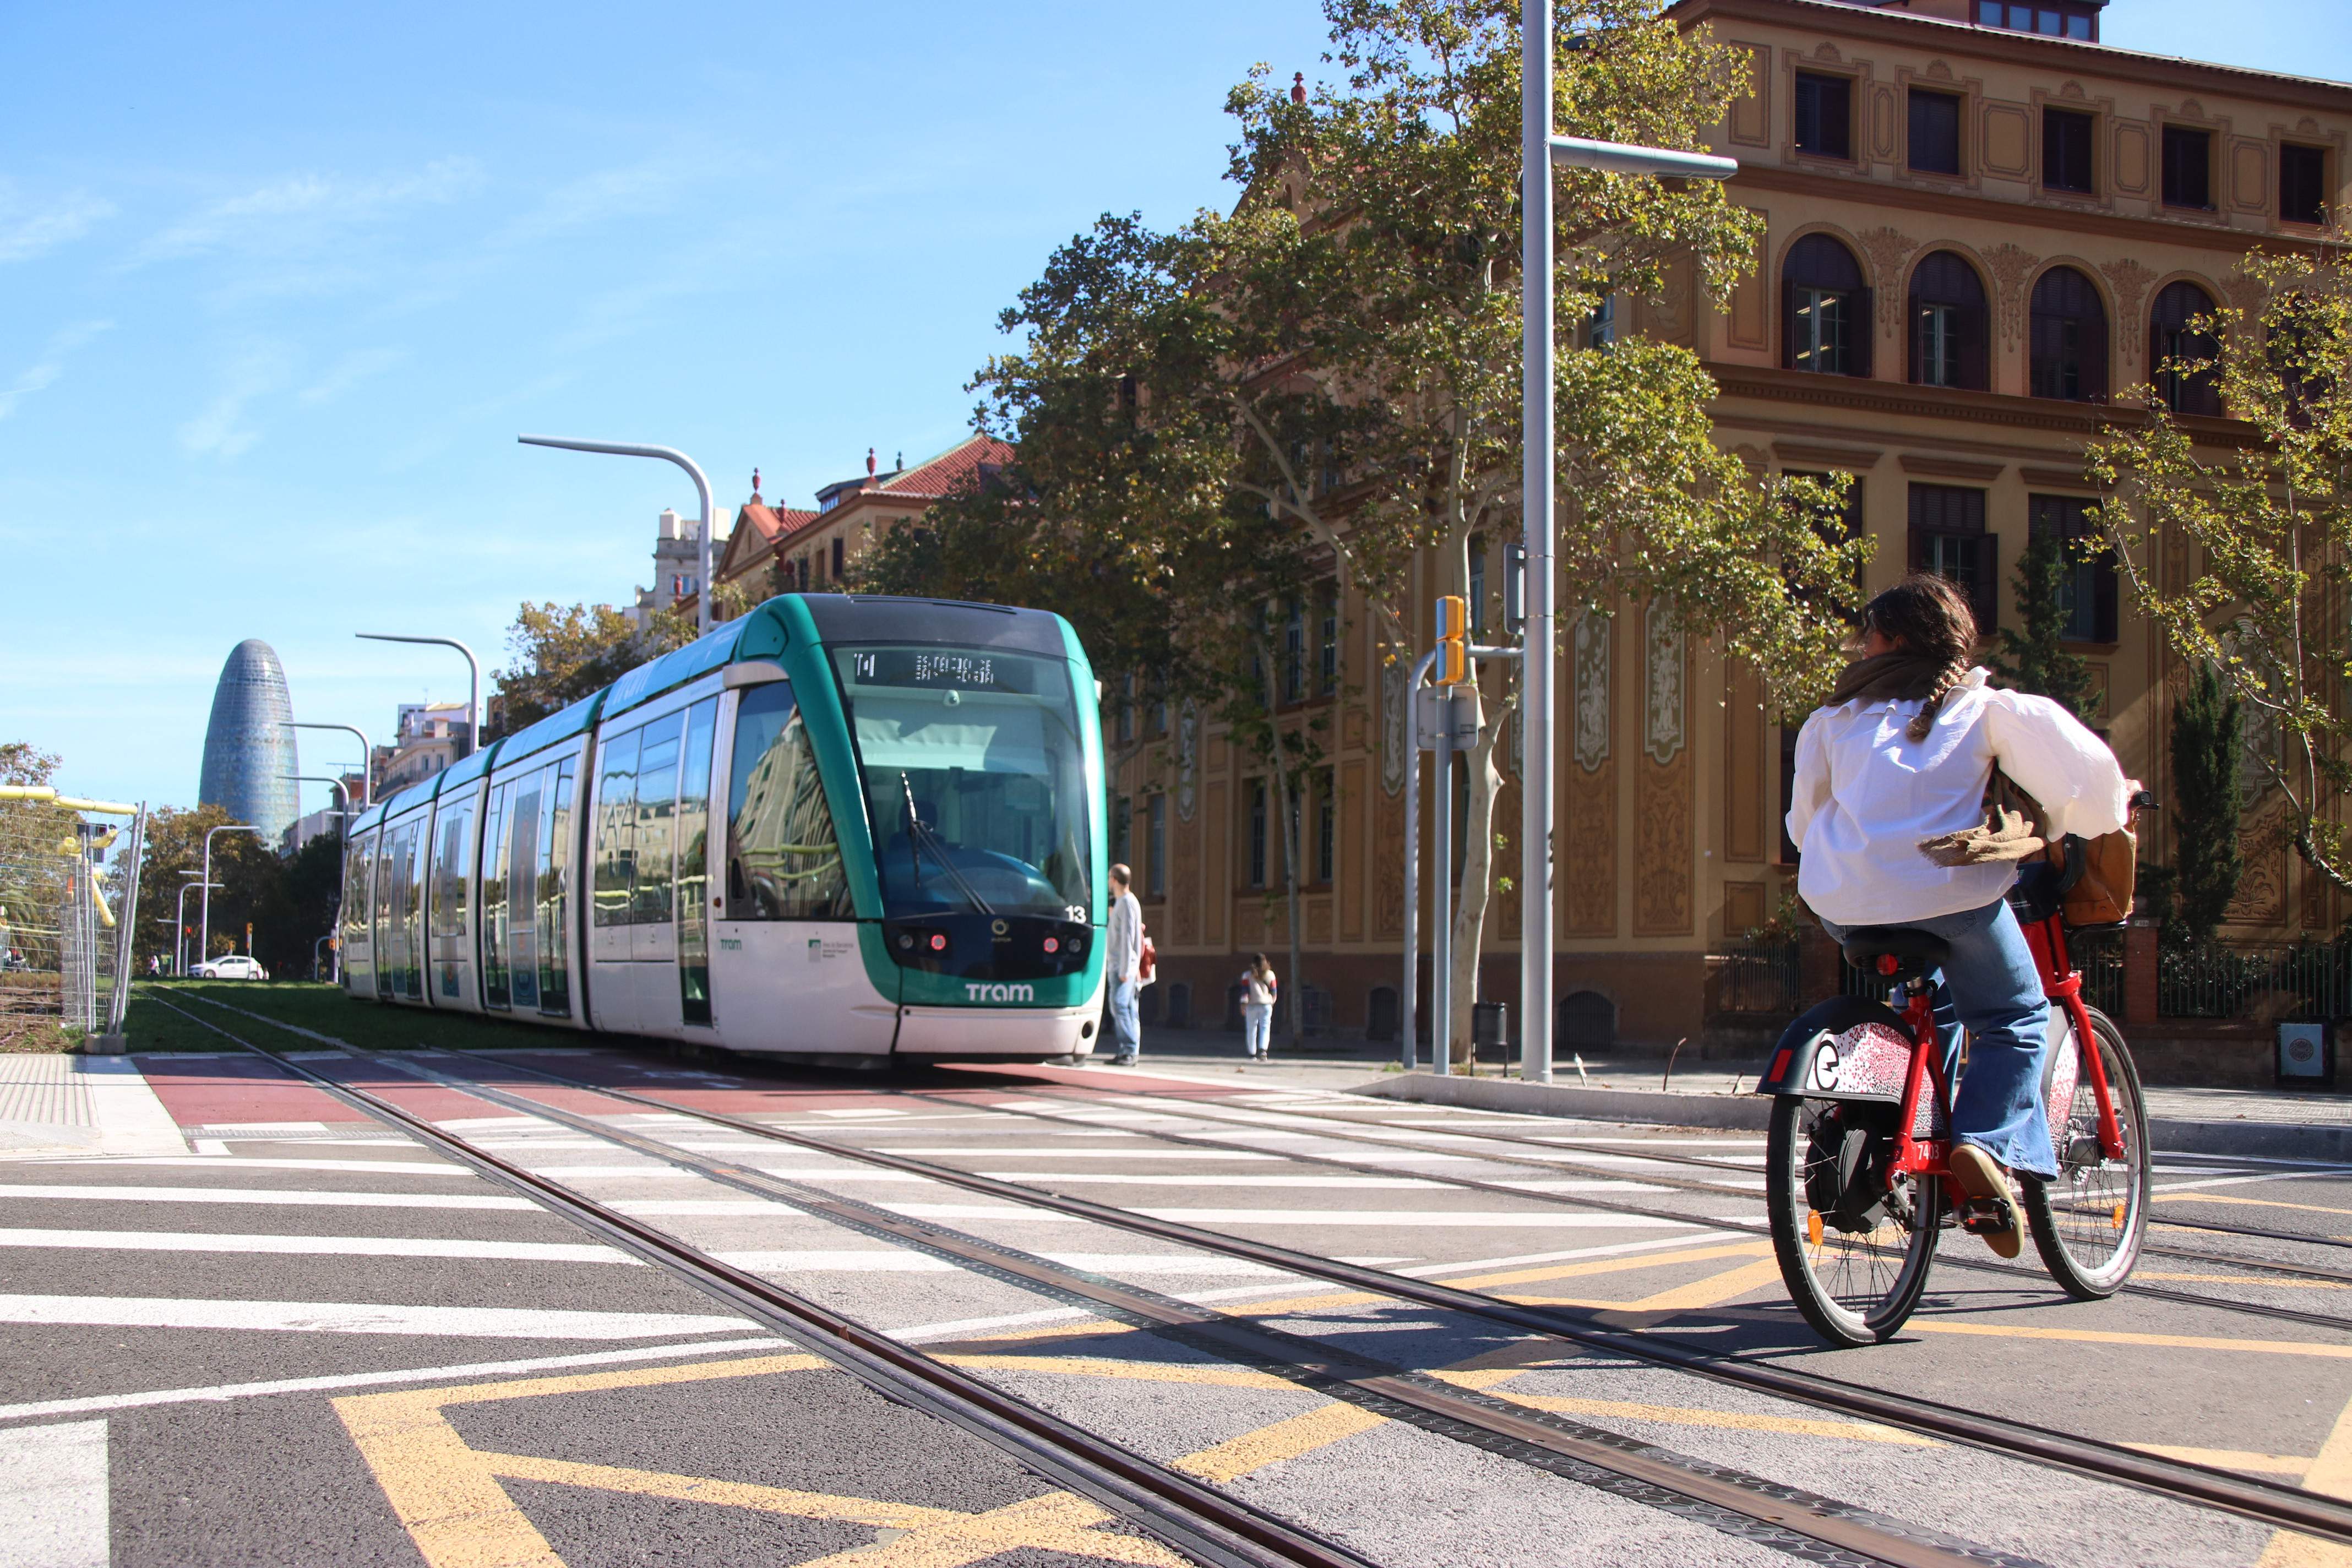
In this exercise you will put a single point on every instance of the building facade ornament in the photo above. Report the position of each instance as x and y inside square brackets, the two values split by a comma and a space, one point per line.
[2012, 272]
[1663, 724]
[1592, 641]
[1188, 755]
[1395, 743]
[1889, 249]
[2129, 279]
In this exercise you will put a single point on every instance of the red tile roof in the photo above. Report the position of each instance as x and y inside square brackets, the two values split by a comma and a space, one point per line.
[958, 467]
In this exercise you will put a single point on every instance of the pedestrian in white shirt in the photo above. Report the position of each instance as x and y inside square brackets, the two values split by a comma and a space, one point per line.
[1259, 993]
[1901, 753]
[1123, 966]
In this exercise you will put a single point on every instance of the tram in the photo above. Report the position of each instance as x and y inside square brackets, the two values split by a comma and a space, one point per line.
[840, 830]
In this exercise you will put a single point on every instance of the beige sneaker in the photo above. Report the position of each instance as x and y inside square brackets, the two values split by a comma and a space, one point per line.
[1980, 1176]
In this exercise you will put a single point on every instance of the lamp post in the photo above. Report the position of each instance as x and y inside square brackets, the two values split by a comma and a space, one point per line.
[669, 455]
[204, 931]
[1539, 152]
[473, 680]
[367, 756]
[180, 927]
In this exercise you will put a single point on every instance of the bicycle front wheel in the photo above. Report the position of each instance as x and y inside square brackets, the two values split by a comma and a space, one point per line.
[2089, 1223]
[1854, 1248]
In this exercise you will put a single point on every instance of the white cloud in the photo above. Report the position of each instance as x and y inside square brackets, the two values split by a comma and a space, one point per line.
[628, 190]
[221, 429]
[50, 365]
[308, 210]
[26, 234]
[349, 372]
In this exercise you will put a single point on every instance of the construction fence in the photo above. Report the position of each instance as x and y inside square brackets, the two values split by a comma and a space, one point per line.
[69, 892]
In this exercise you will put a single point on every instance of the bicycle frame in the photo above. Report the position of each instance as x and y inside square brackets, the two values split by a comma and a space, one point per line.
[2061, 984]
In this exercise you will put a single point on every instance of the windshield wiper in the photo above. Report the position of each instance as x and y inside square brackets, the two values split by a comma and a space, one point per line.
[919, 831]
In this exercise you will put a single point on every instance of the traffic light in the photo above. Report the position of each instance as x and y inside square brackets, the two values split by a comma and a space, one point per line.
[1452, 640]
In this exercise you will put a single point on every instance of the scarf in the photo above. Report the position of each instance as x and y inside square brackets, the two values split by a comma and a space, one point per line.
[1899, 677]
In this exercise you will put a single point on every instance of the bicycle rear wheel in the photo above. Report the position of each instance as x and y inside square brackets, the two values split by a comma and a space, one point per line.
[1855, 1267]
[2089, 1223]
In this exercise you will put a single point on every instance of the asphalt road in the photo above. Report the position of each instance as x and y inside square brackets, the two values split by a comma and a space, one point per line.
[312, 1340]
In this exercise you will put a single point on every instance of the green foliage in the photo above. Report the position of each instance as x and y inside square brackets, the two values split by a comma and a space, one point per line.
[2262, 535]
[2036, 659]
[22, 762]
[2207, 740]
[562, 653]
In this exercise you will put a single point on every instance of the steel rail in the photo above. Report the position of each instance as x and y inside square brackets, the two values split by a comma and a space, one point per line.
[1185, 1514]
[1639, 1211]
[1717, 1496]
[2269, 1502]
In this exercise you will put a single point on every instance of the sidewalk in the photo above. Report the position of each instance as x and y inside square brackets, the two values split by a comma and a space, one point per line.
[54, 1104]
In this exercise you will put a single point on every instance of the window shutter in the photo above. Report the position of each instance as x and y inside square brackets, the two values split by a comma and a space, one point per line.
[2102, 606]
[2095, 353]
[1913, 332]
[1986, 595]
[1974, 330]
[1864, 327]
[1788, 323]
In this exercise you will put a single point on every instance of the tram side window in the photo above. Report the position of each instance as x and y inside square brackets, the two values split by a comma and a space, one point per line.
[617, 829]
[693, 863]
[657, 820]
[517, 859]
[449, 872]
[783, 857]
[355, 897]
[554, 876]
[495, 957]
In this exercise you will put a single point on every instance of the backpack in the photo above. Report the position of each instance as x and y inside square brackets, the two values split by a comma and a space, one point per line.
[2110, 862]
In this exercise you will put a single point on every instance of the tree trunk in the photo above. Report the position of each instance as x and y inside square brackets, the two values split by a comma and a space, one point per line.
[1294, 985]
[1477, 877]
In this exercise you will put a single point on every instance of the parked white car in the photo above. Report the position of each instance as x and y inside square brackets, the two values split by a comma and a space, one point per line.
[234, 967]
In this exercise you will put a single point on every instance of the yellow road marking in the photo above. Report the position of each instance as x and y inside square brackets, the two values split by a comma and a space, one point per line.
[1237, 1456]
[1714, 1290]
[2229, 1458]
[1612, 1265]
[447, 1496]
[726, 1494]
[2110, 1337]
[2184, 1198]
[2331, 1475]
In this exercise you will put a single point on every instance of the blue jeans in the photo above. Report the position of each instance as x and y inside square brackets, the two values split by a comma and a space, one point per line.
[1257, 1024]
[1126, 1029]
[1991, 986]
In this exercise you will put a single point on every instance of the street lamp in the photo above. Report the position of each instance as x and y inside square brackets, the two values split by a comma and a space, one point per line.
[367, 755]
[1539, 152]
[473, 680]
[180, 927]
[667, 454]
[204, 931]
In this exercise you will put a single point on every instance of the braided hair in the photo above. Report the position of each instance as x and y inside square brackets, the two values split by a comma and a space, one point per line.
[1929, 618]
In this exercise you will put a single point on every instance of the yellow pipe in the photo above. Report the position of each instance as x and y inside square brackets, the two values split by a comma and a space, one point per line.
[71, 802]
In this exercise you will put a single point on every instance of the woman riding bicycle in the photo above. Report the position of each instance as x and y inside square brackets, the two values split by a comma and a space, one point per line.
[1901, 755]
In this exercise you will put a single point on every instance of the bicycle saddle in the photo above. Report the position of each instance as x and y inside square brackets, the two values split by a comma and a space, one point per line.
[1913, 952]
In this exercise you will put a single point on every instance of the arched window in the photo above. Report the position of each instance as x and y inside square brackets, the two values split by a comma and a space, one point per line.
[2169, 337]
[1948, 323]
[2069, 338]
[1824, 310]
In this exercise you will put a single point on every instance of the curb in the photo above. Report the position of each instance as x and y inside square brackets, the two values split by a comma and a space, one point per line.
[2325, 1144]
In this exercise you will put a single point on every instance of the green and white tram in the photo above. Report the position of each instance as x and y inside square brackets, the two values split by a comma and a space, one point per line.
[841, 828]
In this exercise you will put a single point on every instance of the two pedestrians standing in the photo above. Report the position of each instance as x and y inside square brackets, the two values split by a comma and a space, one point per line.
[1259, 993]
[1123, 965]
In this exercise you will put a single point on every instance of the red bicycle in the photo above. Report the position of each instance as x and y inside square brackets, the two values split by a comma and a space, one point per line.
[1857, 1175]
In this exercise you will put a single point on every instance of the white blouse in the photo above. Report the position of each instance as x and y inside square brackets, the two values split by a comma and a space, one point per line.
[1866, 794]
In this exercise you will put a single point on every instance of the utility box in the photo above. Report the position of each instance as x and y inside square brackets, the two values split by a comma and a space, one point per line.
[2306, 1053]
[1490, 1023]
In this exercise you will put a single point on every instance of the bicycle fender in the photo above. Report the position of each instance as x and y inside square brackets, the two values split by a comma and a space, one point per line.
[1848, 1047]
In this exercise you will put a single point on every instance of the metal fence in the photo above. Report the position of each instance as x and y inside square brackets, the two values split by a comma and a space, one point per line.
[68, 885]
[1764, 977]
[2216, 980]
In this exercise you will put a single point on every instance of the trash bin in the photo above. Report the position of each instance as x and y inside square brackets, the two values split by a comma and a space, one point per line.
[2306, 1054]
[1490, 1023]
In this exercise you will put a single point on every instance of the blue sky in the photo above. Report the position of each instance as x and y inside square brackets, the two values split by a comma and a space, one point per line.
[281, 284]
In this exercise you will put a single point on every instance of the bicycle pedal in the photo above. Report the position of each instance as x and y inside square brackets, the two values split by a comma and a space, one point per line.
[1981, 1216]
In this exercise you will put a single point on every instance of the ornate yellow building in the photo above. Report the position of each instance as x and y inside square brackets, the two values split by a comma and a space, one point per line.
[1980, 222]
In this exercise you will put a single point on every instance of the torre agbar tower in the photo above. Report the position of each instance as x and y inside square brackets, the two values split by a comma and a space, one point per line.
[248, 746]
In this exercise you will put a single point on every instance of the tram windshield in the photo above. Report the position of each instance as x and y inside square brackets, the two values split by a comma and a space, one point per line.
[975, 778]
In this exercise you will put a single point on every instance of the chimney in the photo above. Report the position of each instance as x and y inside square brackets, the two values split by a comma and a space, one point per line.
[666, 526]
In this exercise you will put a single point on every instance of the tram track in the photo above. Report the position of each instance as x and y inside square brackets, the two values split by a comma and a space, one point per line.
[2268, 1502]
[1269, 1120]
[1644, 1211]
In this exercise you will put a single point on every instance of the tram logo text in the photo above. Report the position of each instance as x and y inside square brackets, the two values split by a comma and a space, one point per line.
[986, 993]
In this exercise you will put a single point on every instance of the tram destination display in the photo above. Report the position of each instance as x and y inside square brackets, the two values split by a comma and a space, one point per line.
[942, 668]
